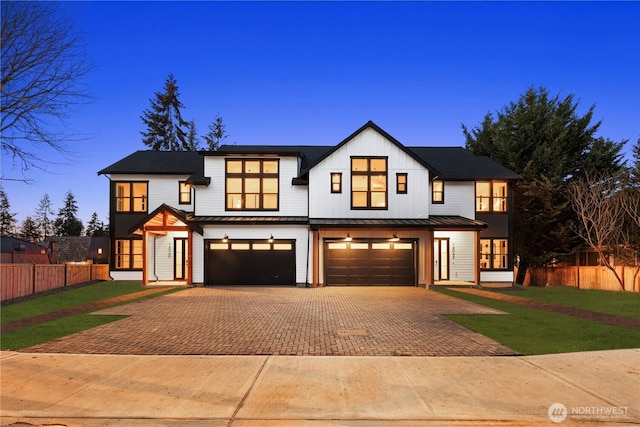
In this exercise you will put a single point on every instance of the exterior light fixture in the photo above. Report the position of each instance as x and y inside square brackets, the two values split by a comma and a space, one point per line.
[395, 238]
[348, 238]
[225, 239]
[271, 239]
[99, 251]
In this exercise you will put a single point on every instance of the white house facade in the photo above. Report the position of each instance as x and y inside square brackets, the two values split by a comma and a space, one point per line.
[367, 211]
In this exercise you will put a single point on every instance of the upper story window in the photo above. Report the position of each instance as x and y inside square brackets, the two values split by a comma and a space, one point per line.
[252, 184]
[437, 192]
[369, 183]
[401, 183]
[336, 182]
[491, 196]
[131, 196]
[184, 193]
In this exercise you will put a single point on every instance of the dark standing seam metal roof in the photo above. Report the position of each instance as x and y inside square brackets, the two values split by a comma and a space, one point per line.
[434, 221]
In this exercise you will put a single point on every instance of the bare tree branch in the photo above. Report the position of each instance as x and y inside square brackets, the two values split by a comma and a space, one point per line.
[43, 64]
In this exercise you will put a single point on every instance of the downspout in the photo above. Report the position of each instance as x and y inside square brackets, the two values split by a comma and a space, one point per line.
[308, 253]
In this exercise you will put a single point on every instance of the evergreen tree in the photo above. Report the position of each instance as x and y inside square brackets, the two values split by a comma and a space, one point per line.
[192, 138]
[29, 230]
[67, 222]
[96, 227]
[44, 217]
[216, 135]
[164, 122]
[7, 218]
[544, 140]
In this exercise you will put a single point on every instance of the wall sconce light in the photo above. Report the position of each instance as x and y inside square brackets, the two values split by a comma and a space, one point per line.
[99, 251]
[348, 238]
[395, 238]
[271, 239]
[225, 239]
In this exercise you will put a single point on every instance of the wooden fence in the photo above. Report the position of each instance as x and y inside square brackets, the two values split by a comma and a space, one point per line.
[584, 277]
[18, 280]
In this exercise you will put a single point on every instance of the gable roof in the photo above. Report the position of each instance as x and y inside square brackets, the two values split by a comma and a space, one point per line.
[157, 217]
[161, 163]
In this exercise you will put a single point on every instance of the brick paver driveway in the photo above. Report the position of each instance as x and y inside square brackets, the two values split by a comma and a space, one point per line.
[349, 321]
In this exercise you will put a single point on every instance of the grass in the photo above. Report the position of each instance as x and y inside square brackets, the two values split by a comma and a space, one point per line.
[620, 303]
[532, 331]
[48, 331]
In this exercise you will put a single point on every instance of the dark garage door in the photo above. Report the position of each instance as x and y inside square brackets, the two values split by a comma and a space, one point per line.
[250, 263]
[370, 263]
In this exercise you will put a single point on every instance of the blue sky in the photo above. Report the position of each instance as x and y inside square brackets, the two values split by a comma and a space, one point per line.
[313, 72]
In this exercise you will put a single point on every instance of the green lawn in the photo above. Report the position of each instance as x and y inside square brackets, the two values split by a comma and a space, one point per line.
[48, 331]
[532, 331]
[620, 303]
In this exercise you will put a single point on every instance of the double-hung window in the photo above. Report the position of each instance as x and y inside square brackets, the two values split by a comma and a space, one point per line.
[336, 182]
[437, 192]
[494, 254]
[252, 184]
[128, 254]
[369, 183]
[184, 193]
[131, 196]
[491, 196]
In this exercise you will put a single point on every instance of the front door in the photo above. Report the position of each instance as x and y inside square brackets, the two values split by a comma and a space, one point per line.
[180, 263]
[441, 259]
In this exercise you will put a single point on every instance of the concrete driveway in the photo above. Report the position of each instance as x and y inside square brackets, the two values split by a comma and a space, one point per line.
[331, 321]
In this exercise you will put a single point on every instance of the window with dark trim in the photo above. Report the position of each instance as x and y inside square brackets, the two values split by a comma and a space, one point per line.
[128, 254]
[491, 196]
[131, 196]
[252, 184]
[437, 192]
[401, 183]
[368, 183]
[336, 182]
[184, 193]
[494, 254]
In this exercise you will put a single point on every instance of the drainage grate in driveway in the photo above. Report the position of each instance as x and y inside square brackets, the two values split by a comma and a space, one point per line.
[352, 332]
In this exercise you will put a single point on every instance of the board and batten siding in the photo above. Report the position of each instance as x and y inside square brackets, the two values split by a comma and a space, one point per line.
[299, 233]
[211, 199]
[461, 254]
[459, 199]
[369, 143]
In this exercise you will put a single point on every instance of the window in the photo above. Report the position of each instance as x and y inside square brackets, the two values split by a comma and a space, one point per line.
[131, 196]
[494, 254]
[336, 182]
[128, 255]
[437, 192]
[401, 183]
[184, 193]
[252, 185]
[369, 183]
[491, 196]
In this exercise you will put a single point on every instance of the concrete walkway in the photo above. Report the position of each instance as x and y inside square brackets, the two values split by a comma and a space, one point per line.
[108, 390]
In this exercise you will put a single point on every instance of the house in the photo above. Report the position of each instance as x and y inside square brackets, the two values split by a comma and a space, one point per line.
[18, 251]
[367, 211]
[79, 249]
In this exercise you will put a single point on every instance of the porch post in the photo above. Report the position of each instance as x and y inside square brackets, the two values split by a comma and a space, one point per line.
[430, 259]
[145, 279]
[315, 259]
[190, 257]
[476, 256]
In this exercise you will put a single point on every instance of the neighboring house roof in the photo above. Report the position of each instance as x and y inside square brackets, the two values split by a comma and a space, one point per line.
[161, 162]
[78, 248]
[12, 244]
